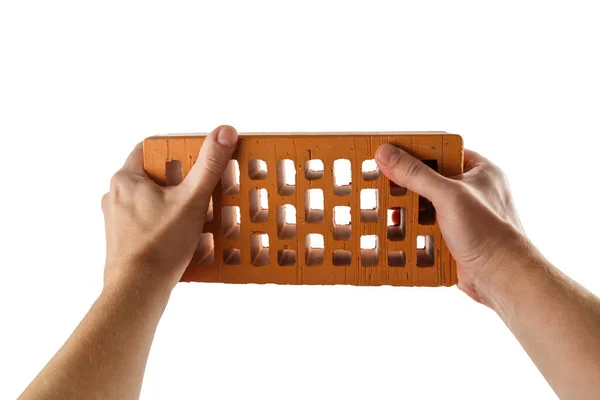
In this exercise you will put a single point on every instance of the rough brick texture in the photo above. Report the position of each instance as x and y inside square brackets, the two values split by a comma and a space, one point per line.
[238, 253]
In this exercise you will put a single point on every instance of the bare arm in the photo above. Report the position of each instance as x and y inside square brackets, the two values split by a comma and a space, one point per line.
[151, 235]
[555, 319]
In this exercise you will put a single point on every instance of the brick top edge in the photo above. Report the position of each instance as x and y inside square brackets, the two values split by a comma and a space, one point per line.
[309, 134]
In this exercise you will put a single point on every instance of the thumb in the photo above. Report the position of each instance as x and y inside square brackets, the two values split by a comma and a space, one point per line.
[215, 153]
[405, 170]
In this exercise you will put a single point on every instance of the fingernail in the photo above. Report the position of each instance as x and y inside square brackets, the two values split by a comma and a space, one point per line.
[227, 136]
[388, 154]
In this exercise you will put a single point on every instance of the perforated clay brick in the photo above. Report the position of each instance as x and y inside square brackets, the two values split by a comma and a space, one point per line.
[314, 209]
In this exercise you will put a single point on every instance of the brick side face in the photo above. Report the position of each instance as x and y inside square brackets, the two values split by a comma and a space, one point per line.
[331, 240]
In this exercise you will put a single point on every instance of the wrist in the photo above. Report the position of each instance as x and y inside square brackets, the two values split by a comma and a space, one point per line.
[513, 264]
[139, 278]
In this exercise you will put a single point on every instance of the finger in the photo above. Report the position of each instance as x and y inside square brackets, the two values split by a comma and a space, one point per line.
[135, 161]
[405, 170]
[104, 202]
[473, 159]
[213, 158]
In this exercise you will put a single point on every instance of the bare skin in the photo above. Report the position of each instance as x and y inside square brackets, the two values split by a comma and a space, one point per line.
[555, 319]
[152, 233]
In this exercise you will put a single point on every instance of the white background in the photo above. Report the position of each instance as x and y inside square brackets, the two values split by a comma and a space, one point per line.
[81, 82]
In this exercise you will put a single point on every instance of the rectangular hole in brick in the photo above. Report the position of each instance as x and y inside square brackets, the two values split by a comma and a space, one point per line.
[205, 250]
[257, 169]
[425, 251]
[396, 190]
[230, 221]
[286, 257]
[370, 170]
[342, 229]
[174, 173]
[342, 258]
[342, 177]
[259, 205]
[315, 249]
[232, 256]
[433, 164]
[286, 177]
[426, 209]
[314, 205]
[286, 221]
[369, 250]
[314, 169]
[396, 259]
[259, 249]
[396, 223]
[426, 212]
[369, 205]
[230, 182]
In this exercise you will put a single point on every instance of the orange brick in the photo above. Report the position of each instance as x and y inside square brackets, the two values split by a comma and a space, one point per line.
[237, 253]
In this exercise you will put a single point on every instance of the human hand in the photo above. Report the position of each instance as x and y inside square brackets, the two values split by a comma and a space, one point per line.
[474, 210]
[152, 231]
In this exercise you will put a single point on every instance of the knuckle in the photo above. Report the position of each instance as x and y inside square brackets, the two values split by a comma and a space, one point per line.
[214, 165]
[117, 180]
[502, 175]
[413, 169]
[495, 174]
[491, 168]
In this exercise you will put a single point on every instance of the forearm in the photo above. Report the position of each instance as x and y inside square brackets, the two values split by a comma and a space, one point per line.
[106, 355]
[556, 321]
